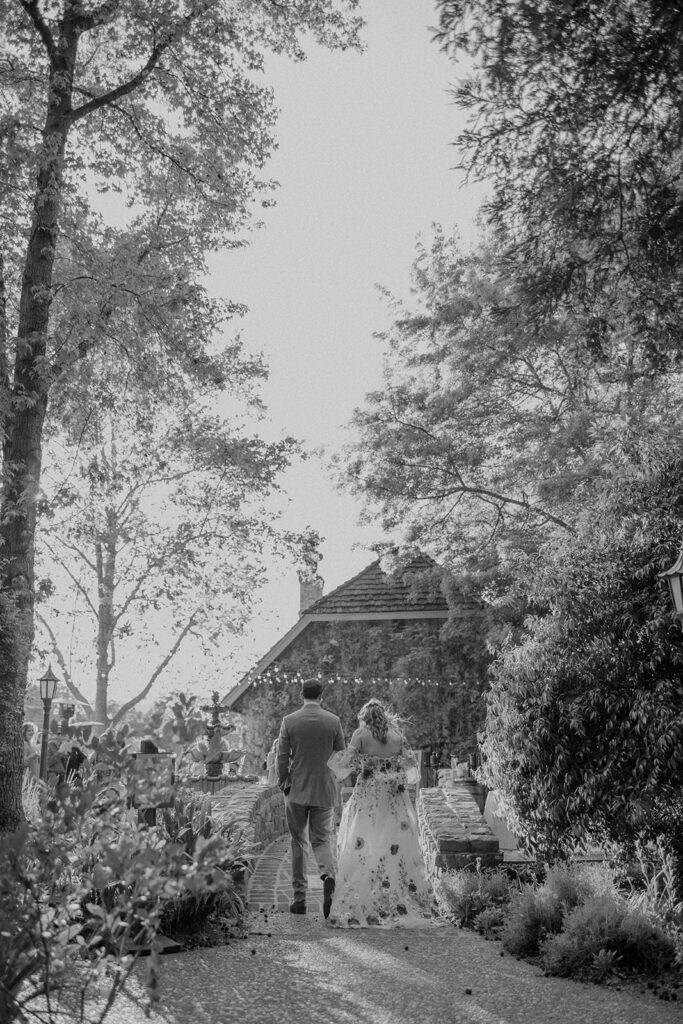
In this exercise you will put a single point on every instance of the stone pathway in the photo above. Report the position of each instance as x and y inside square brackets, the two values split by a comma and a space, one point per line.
[270, 886]
[297, 970]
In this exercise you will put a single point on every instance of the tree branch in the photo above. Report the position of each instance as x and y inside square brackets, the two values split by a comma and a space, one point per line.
[125, 708]
[482, 493]
[70, 685]
[33, 10]
[107, 98]
[125, 88]
[77, 583]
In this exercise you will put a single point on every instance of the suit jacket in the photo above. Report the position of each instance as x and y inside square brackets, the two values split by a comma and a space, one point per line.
[306, 742]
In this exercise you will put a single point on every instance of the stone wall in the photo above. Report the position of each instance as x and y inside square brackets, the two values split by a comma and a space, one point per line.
[257, 810]
[453, 833]
[360, 659]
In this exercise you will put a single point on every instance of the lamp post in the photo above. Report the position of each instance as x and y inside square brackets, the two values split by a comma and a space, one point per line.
[48, 687]
[674, 577]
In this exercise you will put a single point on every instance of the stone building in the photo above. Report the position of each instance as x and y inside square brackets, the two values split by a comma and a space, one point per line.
[390, 636]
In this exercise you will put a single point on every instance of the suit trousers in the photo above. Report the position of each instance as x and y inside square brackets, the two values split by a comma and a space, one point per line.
[320, 822]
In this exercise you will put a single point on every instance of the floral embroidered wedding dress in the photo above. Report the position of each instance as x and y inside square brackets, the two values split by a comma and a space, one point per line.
[381, 876]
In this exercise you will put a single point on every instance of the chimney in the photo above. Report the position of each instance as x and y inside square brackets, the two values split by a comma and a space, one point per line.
[310, 591]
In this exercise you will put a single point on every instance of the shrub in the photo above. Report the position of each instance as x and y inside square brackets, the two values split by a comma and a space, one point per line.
[655, 892]
[534, 914]
[496, 886]
[88, 842]
[572, 884]
[540, 910]
[490, 921]
[466, 894]
[461, 895]
[203, 919]
[606, 926]
[188, 819]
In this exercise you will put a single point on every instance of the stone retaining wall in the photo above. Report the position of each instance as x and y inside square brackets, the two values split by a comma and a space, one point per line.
[453, 833]
[257, 810]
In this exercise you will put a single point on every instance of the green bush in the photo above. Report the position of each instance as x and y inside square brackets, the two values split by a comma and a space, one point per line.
[574, 883]
[570, 884]
[490, 921]
[461, 894]
[466, 894]
[539, 910]
[496, 886]
[188, 820]
[603, 929]
[655, 886]
[203, 919]
[84, 888]
[534, 914]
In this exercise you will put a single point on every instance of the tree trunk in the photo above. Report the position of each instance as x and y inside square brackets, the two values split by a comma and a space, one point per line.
[106, 568]
[23, 429]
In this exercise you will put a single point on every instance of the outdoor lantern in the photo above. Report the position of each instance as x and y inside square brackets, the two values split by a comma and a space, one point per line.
[674, 577]
[48, 688]
[48, 685]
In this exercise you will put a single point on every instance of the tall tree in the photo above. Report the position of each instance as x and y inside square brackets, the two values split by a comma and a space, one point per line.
[136, 97]
[576, 124]
[155, 528]
[584, 714]
[150, 501]
[486, 441]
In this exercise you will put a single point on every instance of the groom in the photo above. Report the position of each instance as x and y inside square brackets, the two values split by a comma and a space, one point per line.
[306, 742]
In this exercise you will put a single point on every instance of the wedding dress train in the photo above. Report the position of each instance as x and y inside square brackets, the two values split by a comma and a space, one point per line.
[381, 880]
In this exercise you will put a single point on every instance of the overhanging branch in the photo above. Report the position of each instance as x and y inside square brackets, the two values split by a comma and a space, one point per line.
[33, 10]
[157, 671]
[107, 98]
[61, 661]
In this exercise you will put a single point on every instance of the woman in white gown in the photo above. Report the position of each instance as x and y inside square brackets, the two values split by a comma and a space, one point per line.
[381, 876]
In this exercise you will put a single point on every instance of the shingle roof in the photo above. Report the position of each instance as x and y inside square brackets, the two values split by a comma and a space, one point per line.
[374, 591]
[371, 594]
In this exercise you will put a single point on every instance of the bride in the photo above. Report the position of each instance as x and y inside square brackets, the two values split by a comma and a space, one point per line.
[381, 878]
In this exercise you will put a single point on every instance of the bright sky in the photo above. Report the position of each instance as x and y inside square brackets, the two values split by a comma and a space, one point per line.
[365, 165]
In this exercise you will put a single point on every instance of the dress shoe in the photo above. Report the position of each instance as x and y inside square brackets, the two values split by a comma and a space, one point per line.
[328, 892]
[297, 907]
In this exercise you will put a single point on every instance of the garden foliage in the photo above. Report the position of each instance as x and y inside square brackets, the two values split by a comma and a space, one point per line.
[86, 888]
[584, 721]
[576, 920]
[161, 107]
[502, 440]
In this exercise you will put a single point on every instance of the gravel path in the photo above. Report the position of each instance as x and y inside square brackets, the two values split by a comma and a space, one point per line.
[299, 970]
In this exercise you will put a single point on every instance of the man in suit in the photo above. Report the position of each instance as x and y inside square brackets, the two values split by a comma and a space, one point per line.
[306, 742]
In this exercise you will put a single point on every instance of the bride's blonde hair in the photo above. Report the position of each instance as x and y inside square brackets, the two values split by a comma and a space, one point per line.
[378, 719]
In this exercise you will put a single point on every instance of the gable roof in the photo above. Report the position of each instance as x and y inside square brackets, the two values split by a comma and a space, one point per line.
[375, 591]
[371, 595]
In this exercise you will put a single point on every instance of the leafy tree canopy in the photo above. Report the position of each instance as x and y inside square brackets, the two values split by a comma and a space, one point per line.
[486, 442]
[584, 722]
[576, 123]
[162, 104]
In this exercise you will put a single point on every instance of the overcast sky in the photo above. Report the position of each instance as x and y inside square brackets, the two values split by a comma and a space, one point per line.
[365, 165]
